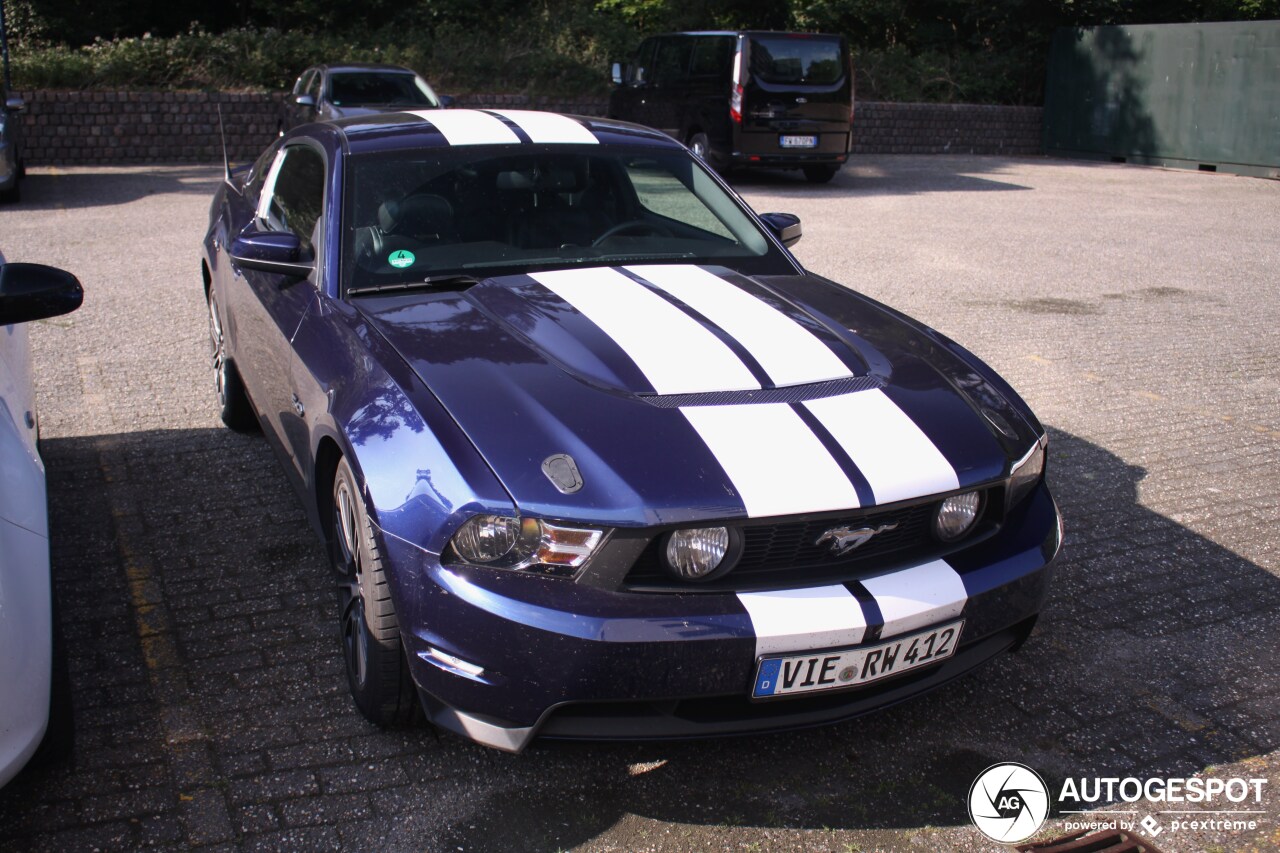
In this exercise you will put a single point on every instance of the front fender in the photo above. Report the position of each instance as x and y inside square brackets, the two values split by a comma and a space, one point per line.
[420, 475]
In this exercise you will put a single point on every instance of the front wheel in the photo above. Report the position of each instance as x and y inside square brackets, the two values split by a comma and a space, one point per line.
[371, 647]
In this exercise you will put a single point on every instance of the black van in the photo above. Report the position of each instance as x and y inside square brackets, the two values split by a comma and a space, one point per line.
[782, 100]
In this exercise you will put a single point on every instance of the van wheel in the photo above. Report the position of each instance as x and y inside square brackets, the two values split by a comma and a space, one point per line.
[820, 174]
[699, 144]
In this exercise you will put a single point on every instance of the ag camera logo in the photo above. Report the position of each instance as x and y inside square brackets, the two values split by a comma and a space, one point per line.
[1008, 802]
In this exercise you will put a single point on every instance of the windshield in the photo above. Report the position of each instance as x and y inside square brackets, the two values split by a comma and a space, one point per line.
[796, 59]
[498, 210]
[356, 88]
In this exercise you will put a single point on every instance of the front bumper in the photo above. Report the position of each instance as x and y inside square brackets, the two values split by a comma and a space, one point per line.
[503, 657]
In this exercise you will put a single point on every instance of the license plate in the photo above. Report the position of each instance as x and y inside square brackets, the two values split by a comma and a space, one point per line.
[798, 141]
[840, 669]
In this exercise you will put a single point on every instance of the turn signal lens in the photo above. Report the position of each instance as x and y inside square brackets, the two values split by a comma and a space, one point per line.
[530, 544]
[694, 554]
[956, 516]
[1026, 472]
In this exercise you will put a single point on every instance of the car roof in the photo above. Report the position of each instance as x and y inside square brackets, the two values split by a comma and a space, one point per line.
[365, 66]
[403, 130]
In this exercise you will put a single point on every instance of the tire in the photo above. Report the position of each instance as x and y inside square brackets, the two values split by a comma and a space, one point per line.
[820, 174]
[700, 145]
[13, 195]
[377, 671]
[233, 402]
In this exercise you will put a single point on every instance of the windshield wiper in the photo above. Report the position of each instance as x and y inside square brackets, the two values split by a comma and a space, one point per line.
[432, 282]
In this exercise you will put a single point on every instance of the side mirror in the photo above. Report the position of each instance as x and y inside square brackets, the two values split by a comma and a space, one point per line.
[447, 101]
[785, 226]
[279, 252]
[15, 104]
[305, 101]
[616, 73]
[35, 292]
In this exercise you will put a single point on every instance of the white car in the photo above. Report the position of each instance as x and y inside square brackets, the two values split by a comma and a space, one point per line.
[27, 292]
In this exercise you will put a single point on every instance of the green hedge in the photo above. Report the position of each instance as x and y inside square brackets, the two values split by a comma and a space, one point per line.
[564, 61]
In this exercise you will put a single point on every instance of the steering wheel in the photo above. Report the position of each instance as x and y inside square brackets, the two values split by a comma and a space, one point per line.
[633, 226]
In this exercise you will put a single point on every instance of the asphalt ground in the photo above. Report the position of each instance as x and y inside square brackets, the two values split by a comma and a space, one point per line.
[1136, 309]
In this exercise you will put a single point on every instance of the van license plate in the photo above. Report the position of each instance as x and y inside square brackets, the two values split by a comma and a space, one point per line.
[842, 668]
[798, 141]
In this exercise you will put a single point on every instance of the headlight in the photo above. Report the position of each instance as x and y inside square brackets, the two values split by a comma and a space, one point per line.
[701, 553]
[956, 516]
[503, 542]
[1026, 472]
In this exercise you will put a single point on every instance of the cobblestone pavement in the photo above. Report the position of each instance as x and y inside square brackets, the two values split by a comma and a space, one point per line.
[1137, 311]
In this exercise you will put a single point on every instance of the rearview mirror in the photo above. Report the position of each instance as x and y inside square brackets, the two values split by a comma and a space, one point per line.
[279, 252]
[36, 292]
[305, 101]
[785, 226]
[446, 101]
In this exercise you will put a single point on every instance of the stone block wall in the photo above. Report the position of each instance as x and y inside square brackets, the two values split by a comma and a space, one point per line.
[90, 128]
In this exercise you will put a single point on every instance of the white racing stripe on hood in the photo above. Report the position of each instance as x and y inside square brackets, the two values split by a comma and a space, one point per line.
[794, 620]
[788, 352]
[775, 462]
[676, 353]
[469, 127]
[549, 127]
[896, 457]
[916, 597]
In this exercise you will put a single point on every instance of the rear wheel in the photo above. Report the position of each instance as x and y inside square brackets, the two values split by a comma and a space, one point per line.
[376, 668]
[233, 402]
[820, 174]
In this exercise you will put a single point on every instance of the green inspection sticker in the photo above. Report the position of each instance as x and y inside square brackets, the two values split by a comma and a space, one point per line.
[401, 259]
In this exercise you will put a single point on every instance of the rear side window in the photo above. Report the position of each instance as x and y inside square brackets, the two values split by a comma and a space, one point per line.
[796, 59]
[671, 65]
[712, 56]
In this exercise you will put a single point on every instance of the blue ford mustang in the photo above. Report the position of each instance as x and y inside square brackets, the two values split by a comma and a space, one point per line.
[593, 455]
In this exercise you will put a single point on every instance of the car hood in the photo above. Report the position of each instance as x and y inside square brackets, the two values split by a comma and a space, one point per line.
[665, 394]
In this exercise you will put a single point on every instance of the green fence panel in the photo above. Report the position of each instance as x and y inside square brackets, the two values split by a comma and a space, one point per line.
[1196, 95]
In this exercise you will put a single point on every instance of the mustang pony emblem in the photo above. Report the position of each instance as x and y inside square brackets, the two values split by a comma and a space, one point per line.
[843, 539]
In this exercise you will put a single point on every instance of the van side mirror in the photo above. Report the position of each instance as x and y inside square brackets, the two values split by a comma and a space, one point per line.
[36, 292]
[785, 226]
[616, 73]
[305, 101]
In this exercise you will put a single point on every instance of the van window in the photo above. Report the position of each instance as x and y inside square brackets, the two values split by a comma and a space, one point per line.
[811, 61]
[643, 71]
[671, 65]
[712, 56]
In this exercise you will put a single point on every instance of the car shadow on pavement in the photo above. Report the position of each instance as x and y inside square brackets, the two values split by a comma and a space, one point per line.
[65, 188]
[899, 174]
[211, 705]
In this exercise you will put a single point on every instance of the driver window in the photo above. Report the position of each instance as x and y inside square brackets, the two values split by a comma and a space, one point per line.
[293, 198]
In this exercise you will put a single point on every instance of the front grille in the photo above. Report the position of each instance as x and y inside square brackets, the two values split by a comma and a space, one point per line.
[787, 554]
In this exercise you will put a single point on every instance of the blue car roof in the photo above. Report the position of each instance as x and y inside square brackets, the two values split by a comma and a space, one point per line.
[401, 130]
